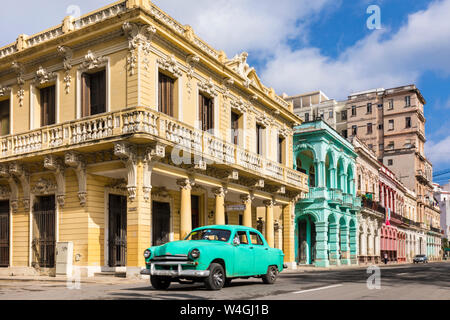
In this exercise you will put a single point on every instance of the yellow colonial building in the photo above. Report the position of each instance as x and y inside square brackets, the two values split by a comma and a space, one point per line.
[123, 129]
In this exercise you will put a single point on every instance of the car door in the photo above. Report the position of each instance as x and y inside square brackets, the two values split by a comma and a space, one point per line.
[261, 253]
[243, 255]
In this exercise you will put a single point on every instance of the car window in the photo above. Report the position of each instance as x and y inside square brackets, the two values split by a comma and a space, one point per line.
[210, 234]
[256, 239]
[242, 235]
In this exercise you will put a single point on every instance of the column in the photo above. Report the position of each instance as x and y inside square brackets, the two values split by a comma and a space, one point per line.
[269, 222]
[185, 207]
[288, 234]
[219, 218]
[363, 246]
[353, 246]
[247, 218]
[333, 244]
[321, 259]
[345, 250]
[333, 182]
[321, 173]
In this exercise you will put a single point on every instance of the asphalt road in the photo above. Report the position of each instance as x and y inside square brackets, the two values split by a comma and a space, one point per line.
[417, 282]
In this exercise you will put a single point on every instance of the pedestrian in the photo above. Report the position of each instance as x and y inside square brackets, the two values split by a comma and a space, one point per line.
[385, 258]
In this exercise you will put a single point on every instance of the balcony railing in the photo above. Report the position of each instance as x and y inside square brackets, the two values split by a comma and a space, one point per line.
[373, 205]
[437, 230]
[147, 121]
[334, 196]
[347, 200]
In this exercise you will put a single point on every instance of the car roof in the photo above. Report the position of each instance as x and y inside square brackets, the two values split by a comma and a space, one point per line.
[227, 227]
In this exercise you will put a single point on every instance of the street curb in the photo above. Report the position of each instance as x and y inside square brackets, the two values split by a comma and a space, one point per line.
[355, 267]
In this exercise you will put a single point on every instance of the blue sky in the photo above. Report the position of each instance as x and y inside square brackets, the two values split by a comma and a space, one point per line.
[301, 45]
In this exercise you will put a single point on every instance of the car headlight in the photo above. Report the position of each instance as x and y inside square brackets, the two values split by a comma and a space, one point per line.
[195, 254]
[147, 254]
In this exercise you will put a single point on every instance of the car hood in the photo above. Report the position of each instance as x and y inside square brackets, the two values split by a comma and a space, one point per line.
[183, 247]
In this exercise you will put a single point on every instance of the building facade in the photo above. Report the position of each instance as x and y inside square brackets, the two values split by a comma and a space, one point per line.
[326, 223]
[442, 195]
[123, 129]
[372, 215]
[391, 123]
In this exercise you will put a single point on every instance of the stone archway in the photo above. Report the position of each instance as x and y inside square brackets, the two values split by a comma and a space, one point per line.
[306, 239]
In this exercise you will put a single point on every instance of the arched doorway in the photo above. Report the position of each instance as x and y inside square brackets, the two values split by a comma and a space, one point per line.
[306, 250]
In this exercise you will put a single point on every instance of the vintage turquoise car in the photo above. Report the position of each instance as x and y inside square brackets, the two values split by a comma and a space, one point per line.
[214, 255]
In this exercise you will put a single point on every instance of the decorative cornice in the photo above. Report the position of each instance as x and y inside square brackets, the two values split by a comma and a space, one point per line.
[43, 76]
[67, 53]
[192, 61]
[91, 61]
[139, 35]
[208, 87]
[170, 65]
[44, 187]
[4, 91]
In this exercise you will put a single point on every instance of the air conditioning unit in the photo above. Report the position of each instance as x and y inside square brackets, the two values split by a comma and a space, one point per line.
[64, 258]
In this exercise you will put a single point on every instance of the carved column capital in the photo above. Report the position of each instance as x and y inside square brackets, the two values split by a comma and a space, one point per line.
[269, 203]
[247, 198]
[185, 183]
[220, 192]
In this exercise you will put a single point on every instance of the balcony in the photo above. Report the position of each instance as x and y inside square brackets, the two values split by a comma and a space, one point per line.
[421, 176]
[374, 206]
[335, 196]
[357, 203]
[145, 123]
[347, 200]
[437, 230]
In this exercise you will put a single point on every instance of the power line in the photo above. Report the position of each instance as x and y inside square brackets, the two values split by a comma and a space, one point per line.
[441, 173]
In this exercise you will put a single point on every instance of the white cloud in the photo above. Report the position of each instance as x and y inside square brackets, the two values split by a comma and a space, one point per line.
[244, 25]
[422, 44]
[439, 152]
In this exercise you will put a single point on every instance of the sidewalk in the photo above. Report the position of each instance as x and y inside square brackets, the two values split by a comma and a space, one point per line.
[307, 268]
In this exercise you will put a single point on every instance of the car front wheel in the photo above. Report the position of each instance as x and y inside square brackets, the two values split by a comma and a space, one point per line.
[160, 283]
[216, 278]
[271, 276]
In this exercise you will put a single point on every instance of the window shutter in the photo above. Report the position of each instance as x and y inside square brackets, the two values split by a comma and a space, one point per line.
[85, 95]
[165, 97]
[48, 106]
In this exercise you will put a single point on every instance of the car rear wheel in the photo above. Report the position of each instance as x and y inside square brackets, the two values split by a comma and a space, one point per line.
[271, 276]
[160, 283]
[216, 278]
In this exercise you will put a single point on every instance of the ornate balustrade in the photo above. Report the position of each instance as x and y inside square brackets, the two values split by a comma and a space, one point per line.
[147, 121]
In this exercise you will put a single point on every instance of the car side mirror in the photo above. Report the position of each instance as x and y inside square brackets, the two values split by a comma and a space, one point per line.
[236, 242]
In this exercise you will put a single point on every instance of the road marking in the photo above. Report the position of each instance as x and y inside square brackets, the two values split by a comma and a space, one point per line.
[316, 289]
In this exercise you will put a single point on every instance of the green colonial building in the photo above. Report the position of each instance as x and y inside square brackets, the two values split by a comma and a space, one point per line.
[326, 219]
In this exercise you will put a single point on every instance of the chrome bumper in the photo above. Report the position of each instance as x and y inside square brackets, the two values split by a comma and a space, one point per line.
[174, 273]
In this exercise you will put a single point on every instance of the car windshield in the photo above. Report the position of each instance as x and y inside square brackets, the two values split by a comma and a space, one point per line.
[420, 256]
[210, 234]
